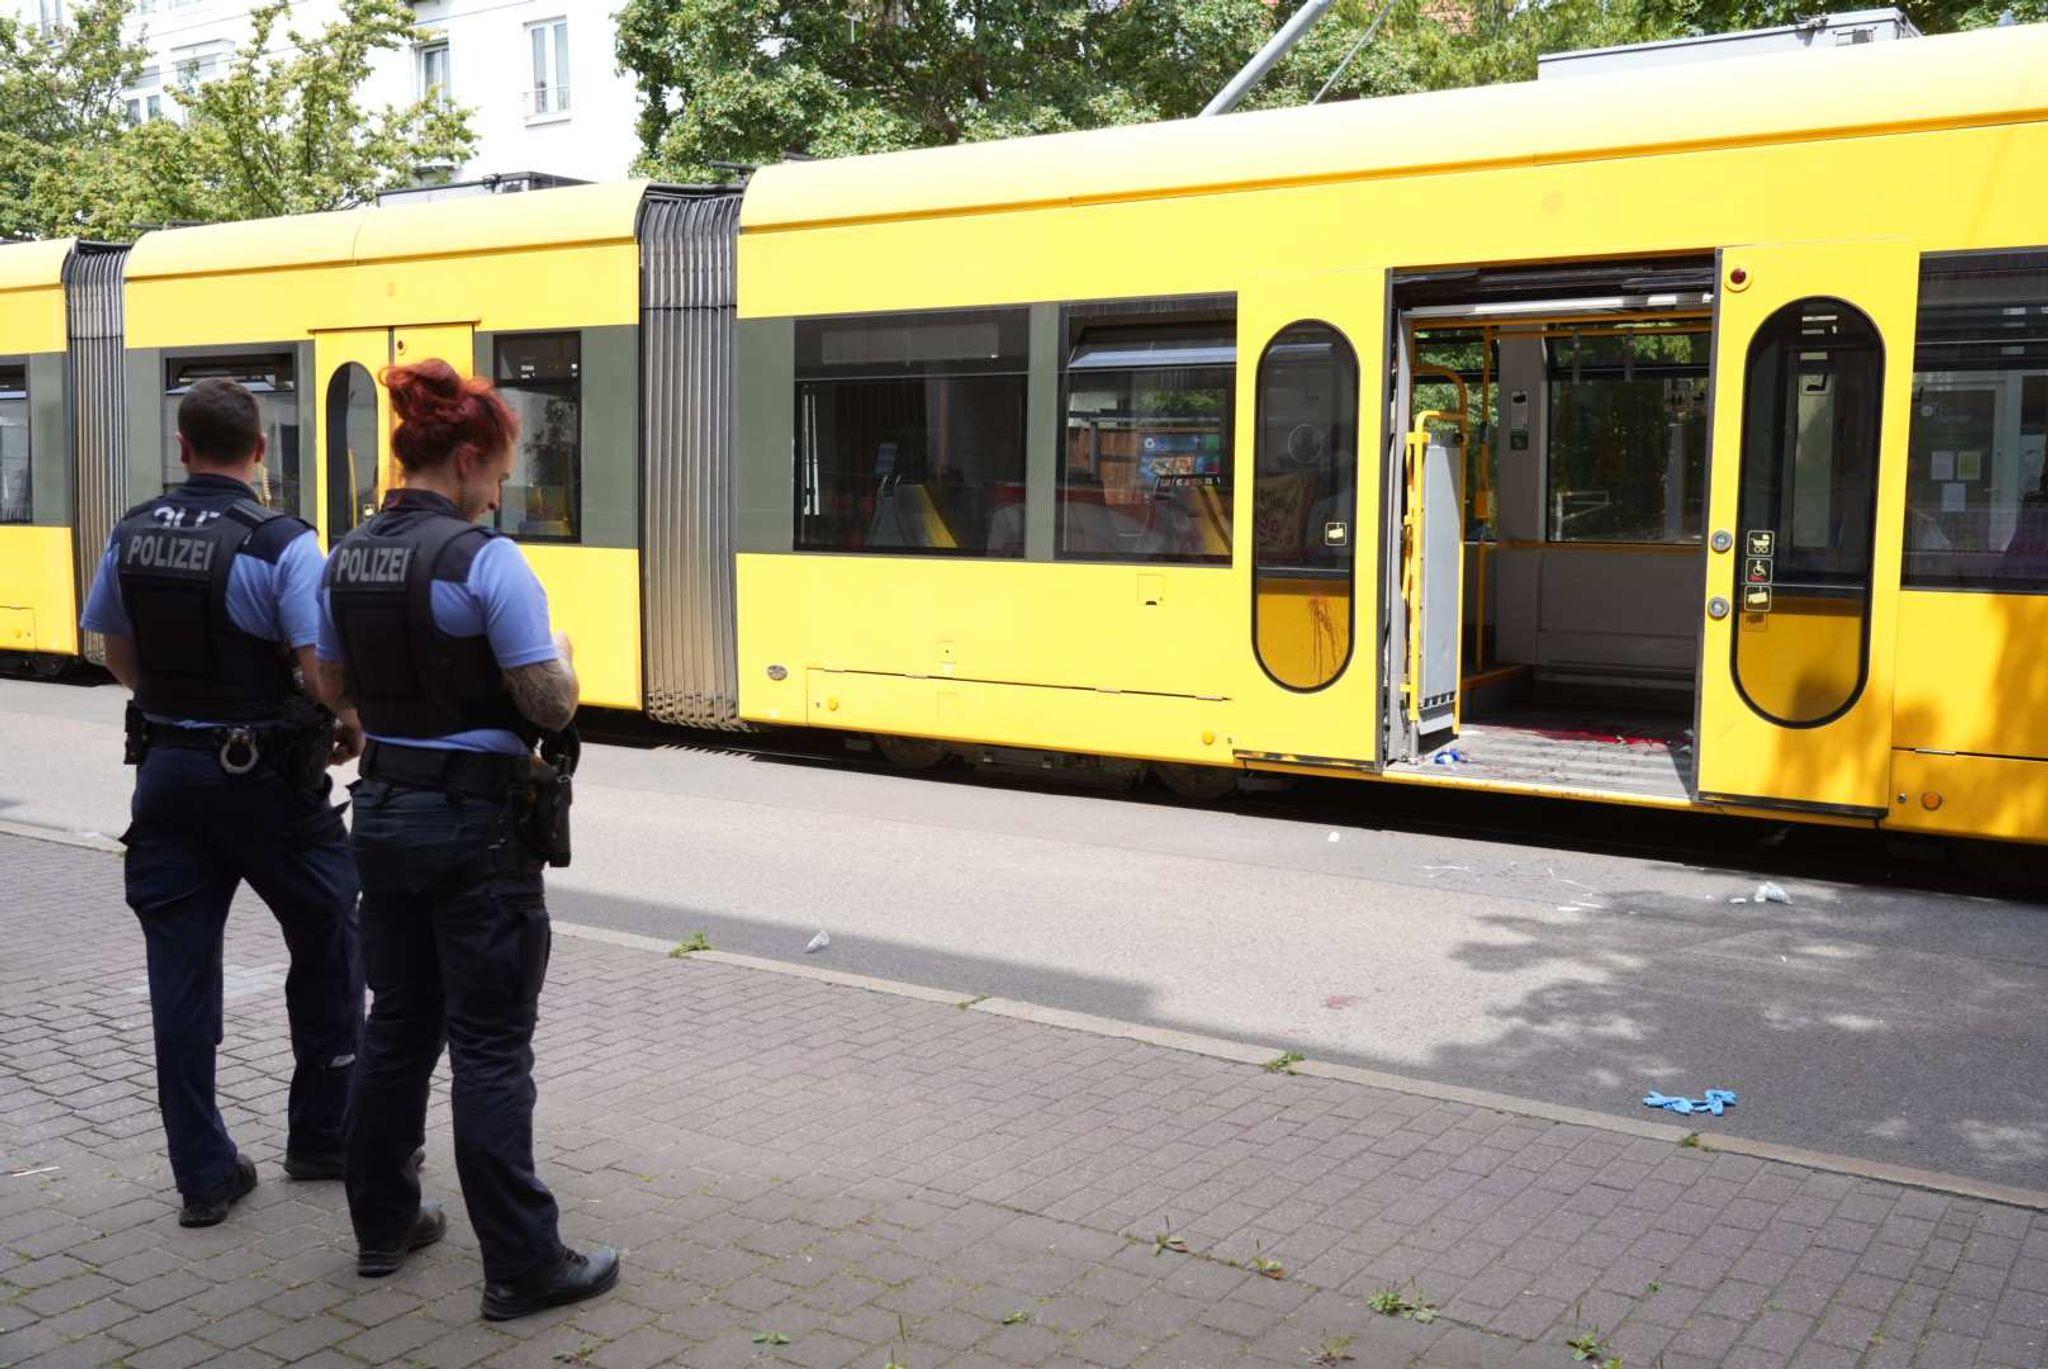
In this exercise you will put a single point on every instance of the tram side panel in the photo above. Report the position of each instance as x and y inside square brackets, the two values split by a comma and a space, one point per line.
[38, 589]
[910, 639]
[536, 291]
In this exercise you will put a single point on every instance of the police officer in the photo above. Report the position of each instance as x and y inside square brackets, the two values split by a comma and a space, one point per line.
[438, 631]
[207, 599]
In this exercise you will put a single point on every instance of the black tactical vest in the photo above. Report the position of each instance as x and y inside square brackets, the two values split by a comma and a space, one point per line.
[173, 557]
[406, 676]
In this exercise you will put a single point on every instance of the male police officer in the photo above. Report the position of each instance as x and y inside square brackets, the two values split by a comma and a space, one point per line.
[206, 598]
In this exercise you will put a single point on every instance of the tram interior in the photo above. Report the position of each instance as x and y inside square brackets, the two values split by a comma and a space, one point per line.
[1581, 438]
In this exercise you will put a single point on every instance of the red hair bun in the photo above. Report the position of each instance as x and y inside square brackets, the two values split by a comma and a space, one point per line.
[442, 414]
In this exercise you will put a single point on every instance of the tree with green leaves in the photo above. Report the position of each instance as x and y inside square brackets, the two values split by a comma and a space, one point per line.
[729, 83]
[282, 132]
[750, 81]
[61, 117]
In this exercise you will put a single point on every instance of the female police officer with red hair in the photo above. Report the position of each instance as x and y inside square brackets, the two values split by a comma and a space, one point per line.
[436, 630]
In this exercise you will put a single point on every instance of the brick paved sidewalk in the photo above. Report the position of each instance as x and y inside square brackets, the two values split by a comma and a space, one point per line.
[879, 1179]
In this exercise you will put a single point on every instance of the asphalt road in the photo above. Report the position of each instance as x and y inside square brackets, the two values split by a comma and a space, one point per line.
[1580, 955]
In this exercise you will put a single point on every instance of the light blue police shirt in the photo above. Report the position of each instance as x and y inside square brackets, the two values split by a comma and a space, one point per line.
[502, 599]
[278, 601]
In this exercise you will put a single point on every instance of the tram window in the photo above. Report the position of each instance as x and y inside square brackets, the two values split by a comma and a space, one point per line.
[541, 377]
[1147, 473]
[1976, 496]
[269, 377]
[16, 488]
[1305, 505]
[1628, 435]
[1812, 407]
[910, 433]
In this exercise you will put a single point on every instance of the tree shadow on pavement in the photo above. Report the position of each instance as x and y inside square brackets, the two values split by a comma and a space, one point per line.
[1880, 1041]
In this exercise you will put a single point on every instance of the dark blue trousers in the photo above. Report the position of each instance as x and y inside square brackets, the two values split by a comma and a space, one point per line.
[455, 945]
[197, 834]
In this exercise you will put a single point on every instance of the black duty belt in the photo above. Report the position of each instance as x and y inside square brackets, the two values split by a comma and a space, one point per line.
[482, 774]
[240, 746]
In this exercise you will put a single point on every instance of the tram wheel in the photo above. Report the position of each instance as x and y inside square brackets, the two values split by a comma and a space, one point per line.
[47, 667]
[912, 753]
[1197, 783]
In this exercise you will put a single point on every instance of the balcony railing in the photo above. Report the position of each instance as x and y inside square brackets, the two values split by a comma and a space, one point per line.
[542, 101]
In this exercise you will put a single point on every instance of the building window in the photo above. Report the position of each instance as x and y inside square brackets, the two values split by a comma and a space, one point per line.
[549, 94]
[16, 489]
[199, 64]
[1628, 435]
[1146, 470]
[1976, 499]
[270, 378]
[49, 14]
[147, 101]
[910, 433]
[433, 58]
[541, 377]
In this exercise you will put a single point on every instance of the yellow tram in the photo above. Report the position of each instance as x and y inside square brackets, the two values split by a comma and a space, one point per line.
[1672, 438]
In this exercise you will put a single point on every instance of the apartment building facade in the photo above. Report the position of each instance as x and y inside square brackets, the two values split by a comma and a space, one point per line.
[540, 77]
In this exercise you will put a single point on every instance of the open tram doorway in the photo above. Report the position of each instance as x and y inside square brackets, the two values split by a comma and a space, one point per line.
[1547, 482]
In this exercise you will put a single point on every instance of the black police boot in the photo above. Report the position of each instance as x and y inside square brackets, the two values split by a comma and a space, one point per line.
[430, 1226]
[211, 1209]
[577, 1277]
[331, 1164]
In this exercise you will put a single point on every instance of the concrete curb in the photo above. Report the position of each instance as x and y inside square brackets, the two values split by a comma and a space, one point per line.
[1903, 1175]
[842, 978]
[90, 841]
[1245, 1053]
[1499, 1102]
[1237, 1052]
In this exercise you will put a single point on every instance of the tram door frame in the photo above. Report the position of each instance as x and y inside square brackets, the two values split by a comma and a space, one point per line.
[372, 349]
[341, 504]
[1788, 746]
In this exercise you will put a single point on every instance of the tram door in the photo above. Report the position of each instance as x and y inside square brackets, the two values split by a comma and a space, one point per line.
[1307, 397]
[354, 423]
[354, 410]
[1811, 392]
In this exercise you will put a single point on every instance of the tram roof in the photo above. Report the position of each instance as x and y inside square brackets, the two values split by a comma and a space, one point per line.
[484, 223]
[1987, 76]
[33, 265]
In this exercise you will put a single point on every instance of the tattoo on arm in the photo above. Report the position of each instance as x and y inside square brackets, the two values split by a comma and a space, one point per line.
[545, 693]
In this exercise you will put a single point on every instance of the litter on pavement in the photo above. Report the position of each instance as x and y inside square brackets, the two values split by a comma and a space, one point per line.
[1716, 1102]
[819, 942]
[1767, 892]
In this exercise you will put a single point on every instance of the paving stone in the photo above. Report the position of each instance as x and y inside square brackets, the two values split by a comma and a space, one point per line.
[875, 1176]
